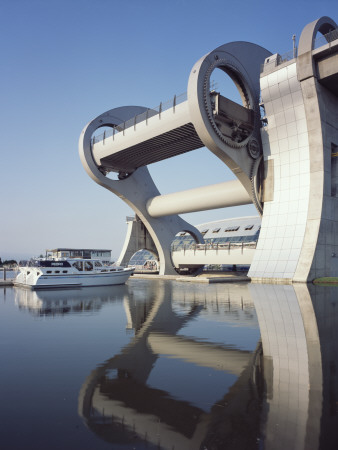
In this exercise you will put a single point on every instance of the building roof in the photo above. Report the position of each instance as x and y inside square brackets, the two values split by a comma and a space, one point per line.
[78, 250]
[240, 226]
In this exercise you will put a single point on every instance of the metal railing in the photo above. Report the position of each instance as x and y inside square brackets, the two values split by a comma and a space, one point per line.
[205, 247]
[318, 42]
[325, 39]
[280, 60]
[143, 117]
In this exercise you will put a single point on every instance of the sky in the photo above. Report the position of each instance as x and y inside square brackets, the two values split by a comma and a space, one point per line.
[65, 62]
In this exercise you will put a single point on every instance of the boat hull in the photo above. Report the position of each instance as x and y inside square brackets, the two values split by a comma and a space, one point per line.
[73, 280]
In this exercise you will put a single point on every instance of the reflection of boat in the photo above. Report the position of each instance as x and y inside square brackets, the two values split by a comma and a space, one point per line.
[68, 301]
[60, 273]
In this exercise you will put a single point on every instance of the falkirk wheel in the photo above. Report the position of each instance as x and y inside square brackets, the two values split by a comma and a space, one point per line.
[284, 160]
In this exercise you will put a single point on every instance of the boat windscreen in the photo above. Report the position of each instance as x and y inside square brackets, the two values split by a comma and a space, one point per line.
[48, 263]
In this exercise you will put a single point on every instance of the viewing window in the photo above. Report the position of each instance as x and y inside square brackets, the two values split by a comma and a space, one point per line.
[88, 266]
[78, 265]
[98, 264]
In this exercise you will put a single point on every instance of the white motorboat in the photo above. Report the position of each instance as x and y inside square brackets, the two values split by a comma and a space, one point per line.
[69, 272]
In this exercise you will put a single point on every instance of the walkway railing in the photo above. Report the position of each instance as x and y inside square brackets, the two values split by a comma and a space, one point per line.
[318, 42]
[144, 117]
[325, 39]
[205, 247]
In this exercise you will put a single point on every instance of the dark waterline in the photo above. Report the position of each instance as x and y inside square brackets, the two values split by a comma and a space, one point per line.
[169, 365]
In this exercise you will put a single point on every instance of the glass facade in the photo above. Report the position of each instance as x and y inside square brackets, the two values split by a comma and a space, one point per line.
[187, 240]
[228, 231]
[140, 259]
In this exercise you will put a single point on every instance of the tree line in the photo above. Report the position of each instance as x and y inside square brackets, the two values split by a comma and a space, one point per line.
[7, 262]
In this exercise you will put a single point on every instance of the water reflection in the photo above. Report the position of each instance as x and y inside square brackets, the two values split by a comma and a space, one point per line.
[283, 394]
[196, 373]
[67, 301]
[299, 330]
[120, 403]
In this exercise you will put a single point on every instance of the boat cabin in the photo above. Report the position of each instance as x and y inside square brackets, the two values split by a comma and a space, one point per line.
[101, 254]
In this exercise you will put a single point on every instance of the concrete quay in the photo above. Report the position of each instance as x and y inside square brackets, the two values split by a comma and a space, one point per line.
[208, 278]
[6, 283]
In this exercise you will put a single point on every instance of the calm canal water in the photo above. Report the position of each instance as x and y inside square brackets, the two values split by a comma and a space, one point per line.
[169, 365]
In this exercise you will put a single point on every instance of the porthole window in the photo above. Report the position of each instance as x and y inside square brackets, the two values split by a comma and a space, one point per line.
[57, 271]
[65, 271]
[49, 271]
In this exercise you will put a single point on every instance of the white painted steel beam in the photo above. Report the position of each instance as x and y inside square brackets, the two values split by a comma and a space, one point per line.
[221, 195]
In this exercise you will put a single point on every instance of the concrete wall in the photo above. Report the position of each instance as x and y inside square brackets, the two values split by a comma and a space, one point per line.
[285, 142]
[299, 235]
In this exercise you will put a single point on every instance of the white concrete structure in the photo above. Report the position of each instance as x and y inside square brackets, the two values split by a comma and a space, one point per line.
[299, 235]
[226, 242]
[285, 163]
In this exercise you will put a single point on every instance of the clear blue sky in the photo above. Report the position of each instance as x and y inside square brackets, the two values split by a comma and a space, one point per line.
[65, 62]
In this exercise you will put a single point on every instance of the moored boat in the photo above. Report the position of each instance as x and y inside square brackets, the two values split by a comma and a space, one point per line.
[69, 272]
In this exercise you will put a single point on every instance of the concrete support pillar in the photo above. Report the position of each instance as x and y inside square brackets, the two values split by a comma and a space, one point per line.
[137, 238]
[135, 189]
